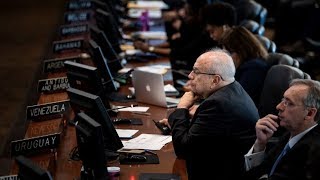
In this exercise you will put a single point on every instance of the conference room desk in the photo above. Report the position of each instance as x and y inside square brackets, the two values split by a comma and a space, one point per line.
[63, 168]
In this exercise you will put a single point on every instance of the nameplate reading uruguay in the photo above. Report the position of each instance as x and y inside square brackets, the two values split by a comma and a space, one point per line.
[59, 46]
[56, 65]
[76, 5]
[47, 111]
[53, 85]
[79, 16]
[36, 144]
[73, 29]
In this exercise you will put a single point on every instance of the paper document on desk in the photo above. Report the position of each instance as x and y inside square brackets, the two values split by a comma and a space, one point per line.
[150, 35]
[126, 133]
[133, 109]
[159, 69]
[147, 141]
[147, 4]
[136, 13]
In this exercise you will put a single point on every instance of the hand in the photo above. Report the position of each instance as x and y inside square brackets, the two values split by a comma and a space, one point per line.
[165, 122]
[141, 45]
[265, 127]
[187, 100]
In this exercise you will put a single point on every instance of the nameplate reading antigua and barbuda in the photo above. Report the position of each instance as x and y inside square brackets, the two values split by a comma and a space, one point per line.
[35, 144]
[53, 85]
[47, 111]
[77, 16]
[57, 65]
[72, 44]
[68, 30]
[9, 177]
[77, 5]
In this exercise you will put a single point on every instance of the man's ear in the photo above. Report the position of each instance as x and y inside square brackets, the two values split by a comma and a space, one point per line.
[311, 113]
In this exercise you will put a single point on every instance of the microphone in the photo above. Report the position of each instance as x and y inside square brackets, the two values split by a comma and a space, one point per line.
[118, 76]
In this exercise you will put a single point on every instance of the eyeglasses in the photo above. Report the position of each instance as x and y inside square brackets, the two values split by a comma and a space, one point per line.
[288, 103]
[196, 72]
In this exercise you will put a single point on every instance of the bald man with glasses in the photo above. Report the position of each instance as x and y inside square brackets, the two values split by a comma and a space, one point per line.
[297, 154]
[222, 129]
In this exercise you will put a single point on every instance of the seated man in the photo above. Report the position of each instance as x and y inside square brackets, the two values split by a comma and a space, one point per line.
[224, 120]
[297, 155]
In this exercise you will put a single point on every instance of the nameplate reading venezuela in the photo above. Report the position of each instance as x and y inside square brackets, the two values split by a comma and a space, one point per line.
[57, 65]
[77, 5]
[36, 144]
[68, 30]
[63, 45]
[47, 111]
[78, 16]
[53, 85]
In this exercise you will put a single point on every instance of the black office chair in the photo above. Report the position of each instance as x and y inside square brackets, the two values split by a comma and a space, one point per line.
[251, 10]
[267, 43]
[280, 58]
[253, 26]
[275, 84]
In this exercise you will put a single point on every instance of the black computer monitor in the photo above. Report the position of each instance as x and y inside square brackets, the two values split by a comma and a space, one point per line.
[91, 147]
[106, 68]
[28, 170]
[92, 105]
[88, 79]
[113, 59]
[107, 24]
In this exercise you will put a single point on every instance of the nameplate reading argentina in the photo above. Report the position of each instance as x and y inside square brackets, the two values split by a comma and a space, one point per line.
[47, 111]
[73, 29]
[57, 65]
[63, 45]
[53, 85]
[73, 17]
[34, 145]
[76, 5]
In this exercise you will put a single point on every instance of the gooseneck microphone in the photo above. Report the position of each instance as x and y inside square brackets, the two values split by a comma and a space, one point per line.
[119, 76]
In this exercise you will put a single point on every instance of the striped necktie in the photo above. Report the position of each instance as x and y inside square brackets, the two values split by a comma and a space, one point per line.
[284, 151]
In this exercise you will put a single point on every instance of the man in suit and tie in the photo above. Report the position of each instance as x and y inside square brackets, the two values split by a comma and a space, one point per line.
[297, 154]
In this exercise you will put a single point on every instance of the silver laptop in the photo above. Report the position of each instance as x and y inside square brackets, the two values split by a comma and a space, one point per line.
[149, 89]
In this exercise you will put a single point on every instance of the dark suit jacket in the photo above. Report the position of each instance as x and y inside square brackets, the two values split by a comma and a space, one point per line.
[221, 132]
[301, 162]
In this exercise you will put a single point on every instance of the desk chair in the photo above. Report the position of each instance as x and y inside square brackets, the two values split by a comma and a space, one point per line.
[275, 84]
[267, 43]
[251, 10]
[253, 26]
[280, 58]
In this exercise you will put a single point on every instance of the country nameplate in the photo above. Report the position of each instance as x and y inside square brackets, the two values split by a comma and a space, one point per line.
[69, 30]
[53, 85]
[64, 45]
[77, 16]
[57, 65]
[45, 127]
[77, 5]
[35, 144]
[9, 177]
[41, 112]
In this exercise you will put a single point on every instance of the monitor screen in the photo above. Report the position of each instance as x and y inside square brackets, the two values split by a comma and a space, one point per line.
[92, 105]
[114, 61]
[103, 66]
[107, 24]
[28, 170]
[91, 147]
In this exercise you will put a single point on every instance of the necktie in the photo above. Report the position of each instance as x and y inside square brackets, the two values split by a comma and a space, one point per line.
[284, 151]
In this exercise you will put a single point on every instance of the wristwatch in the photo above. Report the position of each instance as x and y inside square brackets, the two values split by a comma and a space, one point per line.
[151, 48]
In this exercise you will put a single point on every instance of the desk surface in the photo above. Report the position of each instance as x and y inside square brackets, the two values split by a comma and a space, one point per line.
[64, 168]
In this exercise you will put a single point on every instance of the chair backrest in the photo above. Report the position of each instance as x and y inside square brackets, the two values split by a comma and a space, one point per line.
[281, 58]
[267, 43]
[275, 84]
[253, 26]
[251, 10]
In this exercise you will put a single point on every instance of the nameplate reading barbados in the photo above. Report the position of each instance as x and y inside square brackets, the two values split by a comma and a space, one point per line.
[77, 5]
[77, 16]
[73, 44]
[36, 144]
[69, 30]
[53, 85]
[47, 111]
[57, 65]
